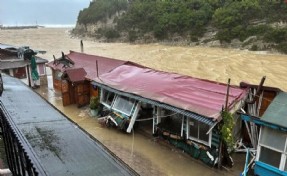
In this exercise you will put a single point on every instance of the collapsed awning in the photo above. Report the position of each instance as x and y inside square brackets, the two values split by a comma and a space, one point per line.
[195, 116]
[203, 97]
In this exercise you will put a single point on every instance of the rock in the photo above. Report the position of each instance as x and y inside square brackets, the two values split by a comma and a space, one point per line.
[250, 40]
[213, 43]
[235, 43]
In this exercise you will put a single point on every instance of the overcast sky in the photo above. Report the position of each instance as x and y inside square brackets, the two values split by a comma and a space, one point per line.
[42, 12]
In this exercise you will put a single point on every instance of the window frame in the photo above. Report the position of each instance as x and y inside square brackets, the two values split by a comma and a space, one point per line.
[102, 98]
[118, 110]
[283, 153]
[207, 143]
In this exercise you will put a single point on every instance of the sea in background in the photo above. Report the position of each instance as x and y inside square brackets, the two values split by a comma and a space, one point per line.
[40, 25]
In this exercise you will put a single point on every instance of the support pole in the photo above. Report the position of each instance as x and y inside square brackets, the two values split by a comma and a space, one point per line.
[97, 69]
[221, 142]
[29, 76]
[82, 46]
[227, 95]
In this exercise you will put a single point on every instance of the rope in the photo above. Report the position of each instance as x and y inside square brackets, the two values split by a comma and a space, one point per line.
[139, 120]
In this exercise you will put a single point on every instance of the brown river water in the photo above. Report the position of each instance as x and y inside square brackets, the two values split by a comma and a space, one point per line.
[147, 155]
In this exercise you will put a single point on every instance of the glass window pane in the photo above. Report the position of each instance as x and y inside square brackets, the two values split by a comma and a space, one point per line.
[270, 157]
[124, 105]
[272, 138]
[108, 97]
[193, 128]
[203, 128]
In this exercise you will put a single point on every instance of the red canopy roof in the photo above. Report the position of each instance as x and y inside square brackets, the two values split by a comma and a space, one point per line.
[89, 64]
[76, 74]
[196, 95]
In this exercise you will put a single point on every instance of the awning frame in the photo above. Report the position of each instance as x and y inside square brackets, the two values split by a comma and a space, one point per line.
[189, 114]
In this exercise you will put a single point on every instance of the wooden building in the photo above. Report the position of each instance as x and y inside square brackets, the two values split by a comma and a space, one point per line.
[12, 63]
[72, 75]
[269, 145]
[185, 111]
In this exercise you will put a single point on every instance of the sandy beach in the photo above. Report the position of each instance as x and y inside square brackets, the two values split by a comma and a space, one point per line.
[216, 64]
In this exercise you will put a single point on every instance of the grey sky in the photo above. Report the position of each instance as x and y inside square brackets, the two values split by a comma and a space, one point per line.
[27, 12]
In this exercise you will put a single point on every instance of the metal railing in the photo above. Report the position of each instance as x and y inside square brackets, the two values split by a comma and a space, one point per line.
[21, 158]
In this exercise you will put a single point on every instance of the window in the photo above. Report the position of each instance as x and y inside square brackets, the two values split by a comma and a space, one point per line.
[107, 98]
[124, 105]
[272, 143]
[265, 154]
[41, 68]
[197, 131]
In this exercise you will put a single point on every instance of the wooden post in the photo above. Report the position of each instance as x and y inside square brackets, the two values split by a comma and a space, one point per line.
[227, 95]
[97, 69]
[29, 76]
[226, 109]
[82, 46]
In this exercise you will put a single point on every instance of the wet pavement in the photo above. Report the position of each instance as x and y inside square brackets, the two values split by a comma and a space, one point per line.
[58, 144]
[142, 152]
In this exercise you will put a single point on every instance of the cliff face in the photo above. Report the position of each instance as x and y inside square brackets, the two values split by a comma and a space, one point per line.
[245, 25]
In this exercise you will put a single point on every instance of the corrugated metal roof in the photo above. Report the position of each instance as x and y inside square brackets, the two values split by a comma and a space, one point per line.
[159, 104]
[14, 64]
[40, 60]
[200, 96]
[76, 74]
[5, 46]
[89, 63]
[6, 54]
[9, 59]
[276, 112]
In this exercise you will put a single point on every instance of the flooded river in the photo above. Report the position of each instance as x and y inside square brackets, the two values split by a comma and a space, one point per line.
[149, 156]
[216, 64]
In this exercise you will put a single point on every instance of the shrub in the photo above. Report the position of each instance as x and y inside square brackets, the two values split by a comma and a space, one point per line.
[282, 47]
[111, 33]
[94, 102]
[276, 35]
[132, 35]
[254, 48]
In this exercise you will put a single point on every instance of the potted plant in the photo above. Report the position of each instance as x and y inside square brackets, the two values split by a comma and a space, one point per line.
[94, 104]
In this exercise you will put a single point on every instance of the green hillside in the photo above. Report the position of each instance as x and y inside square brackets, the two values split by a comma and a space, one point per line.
[261, 23]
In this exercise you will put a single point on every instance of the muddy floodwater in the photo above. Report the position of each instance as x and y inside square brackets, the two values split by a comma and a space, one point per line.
[145, 154]
[216, 64]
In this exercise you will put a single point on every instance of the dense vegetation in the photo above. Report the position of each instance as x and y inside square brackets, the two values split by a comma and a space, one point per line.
[190, 19]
